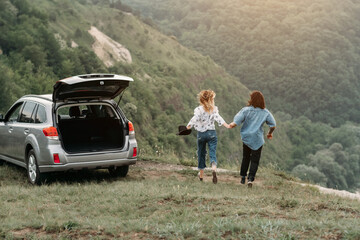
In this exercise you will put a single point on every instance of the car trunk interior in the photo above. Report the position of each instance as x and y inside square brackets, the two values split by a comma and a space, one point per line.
[90, 133]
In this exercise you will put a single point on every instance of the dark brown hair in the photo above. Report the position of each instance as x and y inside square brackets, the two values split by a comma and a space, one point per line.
[257, 100]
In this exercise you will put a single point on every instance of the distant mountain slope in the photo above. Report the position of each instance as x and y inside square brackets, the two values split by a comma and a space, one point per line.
[304, 55]
[43, 41]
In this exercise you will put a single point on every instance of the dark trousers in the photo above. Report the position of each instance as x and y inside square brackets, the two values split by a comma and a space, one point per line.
[252, 158]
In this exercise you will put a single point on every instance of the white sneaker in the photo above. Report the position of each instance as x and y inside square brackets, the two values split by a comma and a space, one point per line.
[250, 183]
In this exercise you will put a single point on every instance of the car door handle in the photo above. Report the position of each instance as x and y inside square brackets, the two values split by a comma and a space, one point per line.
[26, 131]
[10, 129]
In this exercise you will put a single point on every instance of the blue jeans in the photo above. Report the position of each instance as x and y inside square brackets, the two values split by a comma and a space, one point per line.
[210, 138]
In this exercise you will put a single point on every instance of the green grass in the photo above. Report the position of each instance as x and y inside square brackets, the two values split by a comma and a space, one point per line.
[144, 205]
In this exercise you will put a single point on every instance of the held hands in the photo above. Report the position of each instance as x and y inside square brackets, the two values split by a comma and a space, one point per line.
[231, 125]
[226, 125]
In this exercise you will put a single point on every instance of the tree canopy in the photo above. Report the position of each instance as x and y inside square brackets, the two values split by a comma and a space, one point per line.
[303, 55]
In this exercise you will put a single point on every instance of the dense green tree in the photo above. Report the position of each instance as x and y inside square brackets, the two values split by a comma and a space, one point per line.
[35, 54]
[308, 173]
[347, 135]
[5, 97]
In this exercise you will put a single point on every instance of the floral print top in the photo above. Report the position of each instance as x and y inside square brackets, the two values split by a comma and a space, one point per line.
[203, 121]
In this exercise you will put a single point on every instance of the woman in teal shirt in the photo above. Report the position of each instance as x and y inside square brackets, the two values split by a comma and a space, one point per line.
[252, 118]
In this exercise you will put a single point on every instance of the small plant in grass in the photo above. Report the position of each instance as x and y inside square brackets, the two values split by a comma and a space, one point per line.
[188, 162]
[352, 234]
[53, 229]
[287, 203]
[70, 225]
[285, 176]
[288, 236]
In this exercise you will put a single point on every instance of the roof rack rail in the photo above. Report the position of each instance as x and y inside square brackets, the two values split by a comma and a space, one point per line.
[37, 96]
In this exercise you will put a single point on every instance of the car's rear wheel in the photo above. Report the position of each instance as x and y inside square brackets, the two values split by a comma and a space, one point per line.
[33, 173]
[119, 171]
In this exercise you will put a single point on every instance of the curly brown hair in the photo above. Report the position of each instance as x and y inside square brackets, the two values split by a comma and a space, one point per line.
[257, 100]
[206, 99]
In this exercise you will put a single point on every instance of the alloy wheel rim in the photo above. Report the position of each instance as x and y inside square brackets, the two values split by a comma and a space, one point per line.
[32, 168]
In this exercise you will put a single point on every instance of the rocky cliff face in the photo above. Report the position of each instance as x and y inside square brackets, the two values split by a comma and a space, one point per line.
[108, 50]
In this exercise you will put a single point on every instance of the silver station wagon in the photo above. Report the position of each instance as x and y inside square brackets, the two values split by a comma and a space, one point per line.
[78, 127]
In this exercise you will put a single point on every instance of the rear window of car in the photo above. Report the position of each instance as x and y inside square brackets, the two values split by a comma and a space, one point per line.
[27, 113]
[90, 111]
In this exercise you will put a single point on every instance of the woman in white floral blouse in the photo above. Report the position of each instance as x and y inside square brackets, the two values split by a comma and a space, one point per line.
[203, 121]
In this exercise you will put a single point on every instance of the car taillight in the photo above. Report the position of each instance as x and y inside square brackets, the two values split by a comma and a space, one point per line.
[50, 132]
[134, 152]
[131, 128]
[56, 158]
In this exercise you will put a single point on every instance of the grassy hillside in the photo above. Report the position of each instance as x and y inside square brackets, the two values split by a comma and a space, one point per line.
[158, 201]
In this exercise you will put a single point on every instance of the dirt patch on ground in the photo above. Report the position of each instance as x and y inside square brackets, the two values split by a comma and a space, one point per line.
[108, 50]
[149, 165]
[29, 233]
[156, 170]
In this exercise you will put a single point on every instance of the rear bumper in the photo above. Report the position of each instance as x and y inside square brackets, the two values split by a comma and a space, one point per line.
[89, 160]
[87, 165]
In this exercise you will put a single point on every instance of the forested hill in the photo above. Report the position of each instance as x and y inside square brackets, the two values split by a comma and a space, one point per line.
[43, 41]
[304, 55]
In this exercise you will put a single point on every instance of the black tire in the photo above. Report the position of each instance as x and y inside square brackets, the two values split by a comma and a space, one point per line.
[32, 169]
[119, 171]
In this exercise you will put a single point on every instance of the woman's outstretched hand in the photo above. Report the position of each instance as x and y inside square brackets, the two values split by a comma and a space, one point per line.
[226, 125]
